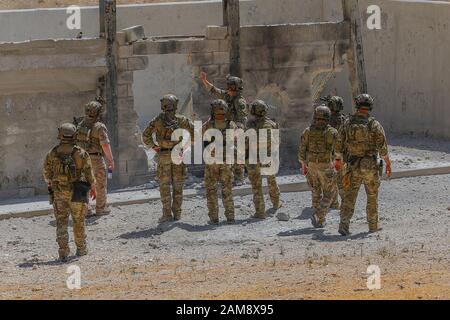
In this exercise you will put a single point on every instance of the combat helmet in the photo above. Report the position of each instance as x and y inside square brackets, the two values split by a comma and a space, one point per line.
[235, 83]
[93, 109]
[259, 108]
[66, 132]
[336, 104]
[322, 112]
[364, 100]
[218, 107]
[169, 102]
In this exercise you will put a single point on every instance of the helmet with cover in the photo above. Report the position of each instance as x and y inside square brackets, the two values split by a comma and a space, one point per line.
[364, 101]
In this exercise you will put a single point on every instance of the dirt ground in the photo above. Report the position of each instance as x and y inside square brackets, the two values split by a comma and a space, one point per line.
[131, 256]
[31, 4]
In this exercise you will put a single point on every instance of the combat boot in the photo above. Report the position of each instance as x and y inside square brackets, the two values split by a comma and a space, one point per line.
[276, 204]
[165, 218]
[374, 228]
[213, 222]
[81, 252]
[317, 222]
[103, 212]
[176, 216]
[259, 216]
[344, 230]
[63, 255]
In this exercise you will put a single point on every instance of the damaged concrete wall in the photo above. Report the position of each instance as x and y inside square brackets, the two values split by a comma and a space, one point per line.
[42, 84]
[407, 66]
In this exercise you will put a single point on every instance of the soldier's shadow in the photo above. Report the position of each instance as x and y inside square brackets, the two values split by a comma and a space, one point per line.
[166, 227]
[306, 214]
[56, 262]
[321, 236]
[297, 232]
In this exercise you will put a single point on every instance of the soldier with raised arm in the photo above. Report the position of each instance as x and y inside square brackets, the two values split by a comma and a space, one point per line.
[237, 109]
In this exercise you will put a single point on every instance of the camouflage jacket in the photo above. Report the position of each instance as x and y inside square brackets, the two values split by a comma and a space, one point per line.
[91, 136]
[65, 164]
[229, 125]
[264, 123]
[237, 106]
[318, 144]
[362, 136]
[163, 129]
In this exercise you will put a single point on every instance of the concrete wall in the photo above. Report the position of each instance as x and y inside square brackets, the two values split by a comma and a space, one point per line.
[407, 66]
[168, 73]
[181, 18]
[42, 84]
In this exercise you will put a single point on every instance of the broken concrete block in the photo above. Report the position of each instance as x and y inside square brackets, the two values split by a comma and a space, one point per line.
[134, 34]
[283, 216]
[216, 32]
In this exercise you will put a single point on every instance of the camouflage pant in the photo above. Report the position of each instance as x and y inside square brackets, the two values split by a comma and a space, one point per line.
[99, 168]
[371, 181]
[214, 174]
[254, 174]
[63, 208]
[322, 180]
[340, 188]
[171, 174]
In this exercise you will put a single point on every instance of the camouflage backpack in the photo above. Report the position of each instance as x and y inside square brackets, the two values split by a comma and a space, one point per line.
[65, 168]
[359, 136]
[319, 150]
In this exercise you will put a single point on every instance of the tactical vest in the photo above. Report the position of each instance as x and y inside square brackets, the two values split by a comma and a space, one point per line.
[66, 167]
[360, 142]
[88, 139]
[164, 133]
[319, 150]
[224, 134]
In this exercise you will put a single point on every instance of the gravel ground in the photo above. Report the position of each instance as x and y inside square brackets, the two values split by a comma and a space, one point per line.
[132, 257]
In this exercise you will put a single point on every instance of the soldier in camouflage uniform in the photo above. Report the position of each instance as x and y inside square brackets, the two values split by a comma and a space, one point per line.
[219, 172]
[258, 111]
[364, 140]
[237, 109]
[65, 164]
[317, 145]
[169, 173]
[336, 105]
[92, 136]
